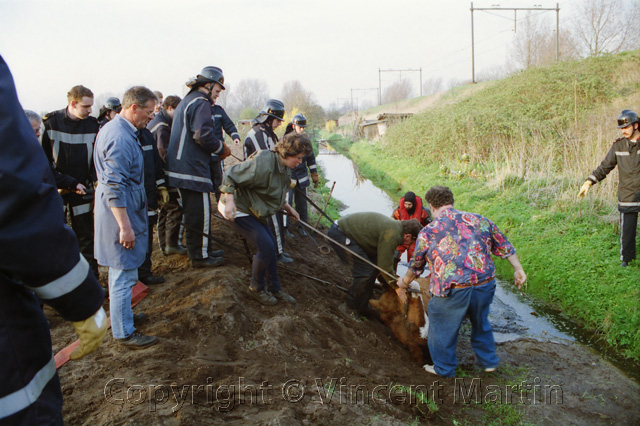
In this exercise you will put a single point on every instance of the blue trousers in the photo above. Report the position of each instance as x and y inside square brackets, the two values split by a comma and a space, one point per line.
[445, 317]
[121, 281]
[264, 273]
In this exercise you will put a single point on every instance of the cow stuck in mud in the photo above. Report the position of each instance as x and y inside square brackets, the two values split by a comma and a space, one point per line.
[409, 324]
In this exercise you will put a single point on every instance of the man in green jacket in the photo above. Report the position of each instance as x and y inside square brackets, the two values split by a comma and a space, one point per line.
[375, 237]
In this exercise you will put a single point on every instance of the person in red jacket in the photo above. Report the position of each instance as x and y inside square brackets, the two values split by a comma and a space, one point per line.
[410, 207]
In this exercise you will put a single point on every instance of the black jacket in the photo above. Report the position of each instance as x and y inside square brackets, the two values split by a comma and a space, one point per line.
[626, 155]
[153, 172]
[38, 256]
[260, 137]
[192, 142]
[160, 127]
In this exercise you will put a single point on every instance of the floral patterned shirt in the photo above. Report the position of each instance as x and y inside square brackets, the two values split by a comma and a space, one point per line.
[458, 246]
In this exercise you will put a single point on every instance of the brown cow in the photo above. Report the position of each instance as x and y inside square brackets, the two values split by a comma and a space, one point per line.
[406, 327]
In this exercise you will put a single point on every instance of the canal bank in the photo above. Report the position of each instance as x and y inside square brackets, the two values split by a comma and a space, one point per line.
[515, 315]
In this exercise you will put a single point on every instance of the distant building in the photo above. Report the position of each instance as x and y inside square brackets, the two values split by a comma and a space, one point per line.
[375, 129]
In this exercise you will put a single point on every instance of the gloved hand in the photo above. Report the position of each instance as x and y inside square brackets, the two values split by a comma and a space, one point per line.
[225, 153]
[585, 188]
[316, 179]
[91, 332]
[292, 184]
[163, 198]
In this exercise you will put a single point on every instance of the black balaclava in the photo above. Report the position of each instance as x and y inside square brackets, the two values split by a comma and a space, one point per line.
[410, 197]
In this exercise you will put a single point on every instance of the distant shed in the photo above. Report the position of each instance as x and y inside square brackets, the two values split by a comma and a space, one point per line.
[374, 129]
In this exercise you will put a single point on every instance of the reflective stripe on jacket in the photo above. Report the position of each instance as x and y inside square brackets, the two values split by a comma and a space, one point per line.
[626, 155]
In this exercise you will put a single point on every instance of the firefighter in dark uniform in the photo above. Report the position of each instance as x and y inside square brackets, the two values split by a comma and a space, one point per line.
[300, 178]
[112, 106]
[221, 121]
[188, 161]
[156, 191]
[170, 212]
[68, 138]
[38, 257]
[625, 154]
[262, 136]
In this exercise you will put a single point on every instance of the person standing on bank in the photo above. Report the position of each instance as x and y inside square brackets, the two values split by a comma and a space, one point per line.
[121, 209]
[221, 121]
[300, 178]
[625, 154]
[67, 141]
[170, 212]
[252, 191]
[192, 142]
[39, 256]
[262, 136]
[457, 246]
[157, 195]
[112, 106]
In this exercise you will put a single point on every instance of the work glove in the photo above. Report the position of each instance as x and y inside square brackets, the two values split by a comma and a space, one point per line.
[91, 332]
[225, 153]
[163, 193]
[315, 179]
[292, 184]
[585, 188]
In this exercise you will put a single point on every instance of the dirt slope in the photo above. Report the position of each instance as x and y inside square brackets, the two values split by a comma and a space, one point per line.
[225, 359]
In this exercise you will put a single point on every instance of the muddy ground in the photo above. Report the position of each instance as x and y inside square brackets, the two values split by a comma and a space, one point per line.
[223, 358]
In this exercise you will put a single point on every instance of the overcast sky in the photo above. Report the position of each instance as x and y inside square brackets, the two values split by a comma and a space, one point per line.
[330, 46]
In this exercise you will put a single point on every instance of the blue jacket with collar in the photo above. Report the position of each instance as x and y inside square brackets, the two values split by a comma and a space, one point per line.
[192, 142]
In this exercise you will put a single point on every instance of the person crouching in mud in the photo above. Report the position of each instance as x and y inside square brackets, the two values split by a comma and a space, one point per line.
[253, 191]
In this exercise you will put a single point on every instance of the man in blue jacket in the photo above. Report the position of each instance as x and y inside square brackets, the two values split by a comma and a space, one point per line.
[121, 209]
[192, 142]
[39, 256]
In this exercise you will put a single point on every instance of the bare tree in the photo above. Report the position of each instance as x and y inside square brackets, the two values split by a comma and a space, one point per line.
[295, 96]
[432, 86]
[535, 43]
[248, 93]
[607, 26]
[399, 90]
[529, 42]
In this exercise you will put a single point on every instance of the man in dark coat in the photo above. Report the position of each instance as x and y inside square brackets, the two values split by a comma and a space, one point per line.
[625, 154]
[39, 256]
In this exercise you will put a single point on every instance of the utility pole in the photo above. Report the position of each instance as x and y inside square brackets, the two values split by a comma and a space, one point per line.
[515, 10]
[380, 71]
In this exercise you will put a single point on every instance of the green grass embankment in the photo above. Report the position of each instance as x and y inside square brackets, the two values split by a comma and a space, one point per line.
[572, 262]
[517, 152]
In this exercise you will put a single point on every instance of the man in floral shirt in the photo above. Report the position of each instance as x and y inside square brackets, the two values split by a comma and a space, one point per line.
[458, 246]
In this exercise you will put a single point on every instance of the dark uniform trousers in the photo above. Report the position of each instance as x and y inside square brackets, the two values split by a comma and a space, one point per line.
[296, 196]
[144, 271]
[364, 275]
[169, 221]
[196, 210]
[628, 230]
[79, 212]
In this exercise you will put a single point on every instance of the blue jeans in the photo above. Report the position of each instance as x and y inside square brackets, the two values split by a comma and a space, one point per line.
[264, 271]
[445, 317]
[121, 281]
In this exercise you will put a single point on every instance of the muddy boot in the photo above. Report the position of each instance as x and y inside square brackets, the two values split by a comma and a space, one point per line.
[282, 295]
[349, 313]
[263, 297]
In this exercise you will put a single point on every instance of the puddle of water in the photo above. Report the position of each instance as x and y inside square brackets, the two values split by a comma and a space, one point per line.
[513, 315]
